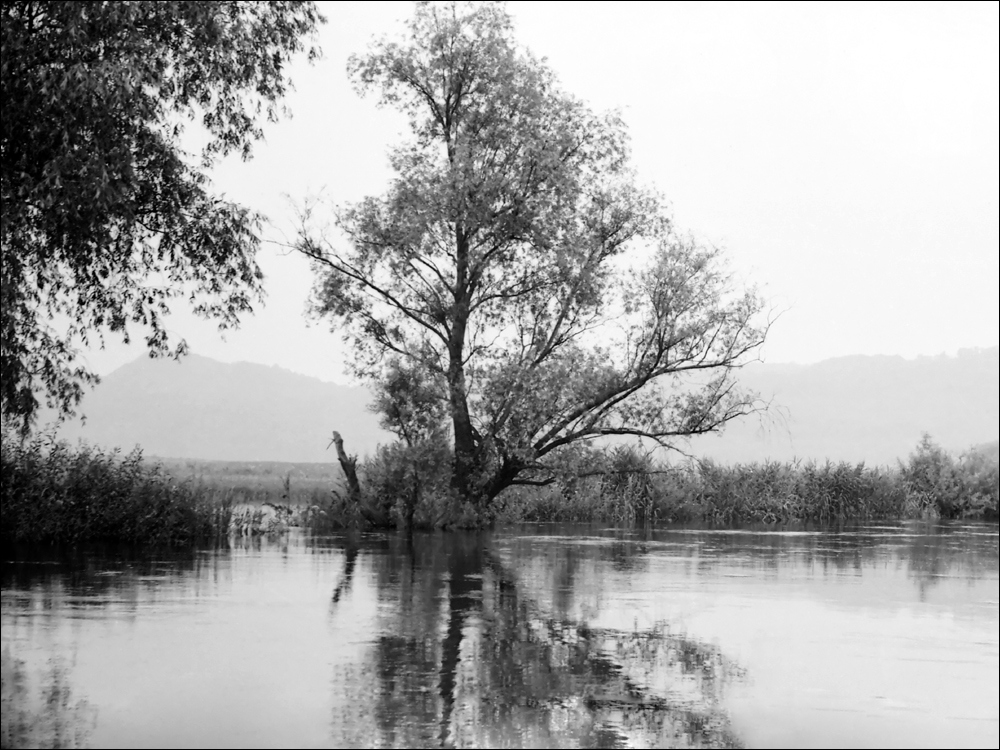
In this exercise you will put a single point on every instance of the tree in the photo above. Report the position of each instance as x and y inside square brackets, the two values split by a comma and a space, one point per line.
[497, 265]
[104, 218]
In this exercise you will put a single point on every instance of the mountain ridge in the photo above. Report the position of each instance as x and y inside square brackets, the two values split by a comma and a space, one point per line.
[853, 408]
[200, 408]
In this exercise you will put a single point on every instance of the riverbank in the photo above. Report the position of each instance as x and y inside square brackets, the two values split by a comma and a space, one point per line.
[635, 490]
[53, 493]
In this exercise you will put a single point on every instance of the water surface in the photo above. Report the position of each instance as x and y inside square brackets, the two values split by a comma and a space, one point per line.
[554, 636]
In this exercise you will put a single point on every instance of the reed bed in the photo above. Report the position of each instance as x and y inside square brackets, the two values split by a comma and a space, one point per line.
[405, 487]
[56, 494]
[53, 493]
[630, 488]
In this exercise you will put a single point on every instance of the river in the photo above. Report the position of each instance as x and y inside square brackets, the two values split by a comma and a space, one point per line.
[541, 636]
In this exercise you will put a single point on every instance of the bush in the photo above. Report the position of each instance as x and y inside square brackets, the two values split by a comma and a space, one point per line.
[409, 484]
[54, 493]
[402, 486]
[979, 470]
[939, 485]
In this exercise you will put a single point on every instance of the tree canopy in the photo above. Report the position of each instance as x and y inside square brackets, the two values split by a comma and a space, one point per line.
[517, 272]
[105, 219]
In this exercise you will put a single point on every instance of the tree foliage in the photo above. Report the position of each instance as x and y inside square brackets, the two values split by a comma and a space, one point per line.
[502, 264]
[105, 219]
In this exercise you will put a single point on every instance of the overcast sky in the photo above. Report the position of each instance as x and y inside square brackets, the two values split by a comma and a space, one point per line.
[845, 155]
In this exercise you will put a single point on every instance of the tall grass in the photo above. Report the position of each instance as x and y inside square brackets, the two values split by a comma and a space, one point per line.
[406, 487]
[626, 487]
[53, 493]
[780, 492]
[952, 488]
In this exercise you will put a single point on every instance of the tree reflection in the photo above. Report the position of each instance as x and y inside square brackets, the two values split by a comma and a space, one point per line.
[48, 718]
[471, 656]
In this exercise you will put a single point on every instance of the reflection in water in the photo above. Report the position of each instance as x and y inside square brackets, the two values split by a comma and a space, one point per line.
[541, 636]
[467, 658]
[48, 718]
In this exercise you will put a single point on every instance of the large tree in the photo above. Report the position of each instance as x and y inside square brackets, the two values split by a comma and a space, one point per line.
[105, 218]
[501, 265]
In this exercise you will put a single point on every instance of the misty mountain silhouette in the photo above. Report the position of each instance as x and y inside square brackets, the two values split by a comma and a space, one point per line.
[865, 408]
[197, 407]
[858, 408]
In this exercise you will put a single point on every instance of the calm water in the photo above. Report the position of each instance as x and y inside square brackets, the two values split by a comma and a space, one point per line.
[548, 636]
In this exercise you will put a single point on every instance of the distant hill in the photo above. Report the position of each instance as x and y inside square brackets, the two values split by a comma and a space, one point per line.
[871, 409]
[200, 408]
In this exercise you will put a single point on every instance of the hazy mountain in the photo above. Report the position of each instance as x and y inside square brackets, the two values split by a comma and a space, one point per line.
[200, 408]
[871, 409]
[853, 408]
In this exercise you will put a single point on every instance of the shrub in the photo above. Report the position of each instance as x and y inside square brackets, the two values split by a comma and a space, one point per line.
[409, 484]
[979, 470]
[939, 485]
[402, 486]
[54, 493]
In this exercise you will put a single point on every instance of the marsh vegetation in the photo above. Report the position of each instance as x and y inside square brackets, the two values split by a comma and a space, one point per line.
[56, 493]
[625, 486]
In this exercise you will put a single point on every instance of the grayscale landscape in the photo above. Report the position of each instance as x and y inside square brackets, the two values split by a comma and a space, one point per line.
[484, 374]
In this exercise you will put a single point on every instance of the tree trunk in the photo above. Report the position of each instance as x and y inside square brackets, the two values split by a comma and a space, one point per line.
[349, 464]
[501, 479]
[465, 442]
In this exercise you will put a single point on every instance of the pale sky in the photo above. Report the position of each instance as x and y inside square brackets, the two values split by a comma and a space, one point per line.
[845, 155]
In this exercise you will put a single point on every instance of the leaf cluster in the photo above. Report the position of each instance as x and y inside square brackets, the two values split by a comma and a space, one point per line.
[105, 218]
